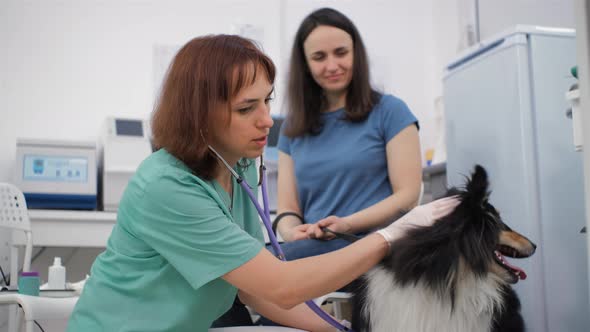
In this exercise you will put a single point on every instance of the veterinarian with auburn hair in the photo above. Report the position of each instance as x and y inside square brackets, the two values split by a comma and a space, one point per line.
[349, 156]
[187, 238]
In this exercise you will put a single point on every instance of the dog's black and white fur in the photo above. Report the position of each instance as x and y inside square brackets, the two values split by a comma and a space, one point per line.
[450, 277]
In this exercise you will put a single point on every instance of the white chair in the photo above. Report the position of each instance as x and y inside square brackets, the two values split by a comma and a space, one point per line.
[336, 298]
[14, 216]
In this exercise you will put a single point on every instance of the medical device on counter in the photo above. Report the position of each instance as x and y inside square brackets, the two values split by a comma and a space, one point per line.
[124, 144]
[56, 174]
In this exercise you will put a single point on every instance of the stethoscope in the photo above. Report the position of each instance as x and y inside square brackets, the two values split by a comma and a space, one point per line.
[265, 216]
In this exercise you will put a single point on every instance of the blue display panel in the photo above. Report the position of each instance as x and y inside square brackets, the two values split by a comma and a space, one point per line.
[129, 128]
[55, 168]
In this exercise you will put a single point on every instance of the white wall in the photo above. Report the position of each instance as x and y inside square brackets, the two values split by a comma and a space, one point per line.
[498, 15]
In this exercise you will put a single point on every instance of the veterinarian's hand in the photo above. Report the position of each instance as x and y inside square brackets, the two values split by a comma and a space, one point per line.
[420, 216]
[334, 223]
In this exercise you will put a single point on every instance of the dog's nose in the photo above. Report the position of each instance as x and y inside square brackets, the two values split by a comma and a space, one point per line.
[534, 248]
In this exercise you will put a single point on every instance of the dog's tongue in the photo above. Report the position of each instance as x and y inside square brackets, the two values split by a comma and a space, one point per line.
[520, 272]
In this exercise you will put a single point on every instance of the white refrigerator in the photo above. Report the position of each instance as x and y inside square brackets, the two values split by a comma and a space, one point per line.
[505, 109]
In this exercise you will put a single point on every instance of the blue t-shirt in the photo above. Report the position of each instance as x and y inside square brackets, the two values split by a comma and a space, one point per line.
[343, 169]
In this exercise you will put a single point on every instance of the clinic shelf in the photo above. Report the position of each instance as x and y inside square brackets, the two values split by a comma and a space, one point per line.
[72, 215]
[69, 228]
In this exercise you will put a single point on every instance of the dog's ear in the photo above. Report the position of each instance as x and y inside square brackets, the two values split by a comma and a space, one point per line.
[478, 185]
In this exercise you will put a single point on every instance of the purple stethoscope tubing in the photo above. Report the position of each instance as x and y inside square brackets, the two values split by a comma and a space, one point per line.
[265, 215]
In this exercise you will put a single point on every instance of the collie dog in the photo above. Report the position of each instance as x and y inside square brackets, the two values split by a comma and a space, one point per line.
[449, 277]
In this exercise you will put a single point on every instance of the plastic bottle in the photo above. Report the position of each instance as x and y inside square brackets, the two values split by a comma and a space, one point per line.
[57, 275]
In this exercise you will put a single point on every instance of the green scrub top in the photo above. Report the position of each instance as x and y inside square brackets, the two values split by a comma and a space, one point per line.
[174, 238]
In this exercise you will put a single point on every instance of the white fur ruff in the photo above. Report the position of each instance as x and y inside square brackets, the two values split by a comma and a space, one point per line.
[417, 309]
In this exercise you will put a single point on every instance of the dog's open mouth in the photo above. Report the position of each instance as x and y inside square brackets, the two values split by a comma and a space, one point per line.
[516, 271]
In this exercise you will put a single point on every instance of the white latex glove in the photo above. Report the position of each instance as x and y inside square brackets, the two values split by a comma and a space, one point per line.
[420, 216]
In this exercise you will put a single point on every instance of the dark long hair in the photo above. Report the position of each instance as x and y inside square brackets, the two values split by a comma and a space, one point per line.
[305, 97]
[204, 76]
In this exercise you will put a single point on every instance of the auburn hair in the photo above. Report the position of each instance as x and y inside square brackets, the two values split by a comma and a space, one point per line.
[203, 78]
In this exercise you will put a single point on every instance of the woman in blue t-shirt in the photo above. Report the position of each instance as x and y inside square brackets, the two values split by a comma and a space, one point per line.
[349, 156]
